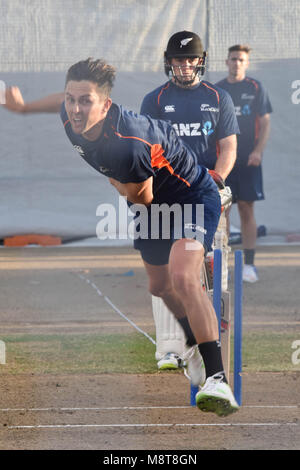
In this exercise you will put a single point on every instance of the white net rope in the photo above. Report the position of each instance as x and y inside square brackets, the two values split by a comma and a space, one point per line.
[270, 27]
[50, 35]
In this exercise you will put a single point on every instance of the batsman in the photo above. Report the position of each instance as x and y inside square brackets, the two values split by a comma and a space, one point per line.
[203, 115]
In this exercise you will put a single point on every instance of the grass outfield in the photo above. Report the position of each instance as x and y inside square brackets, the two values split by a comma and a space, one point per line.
[132, 354]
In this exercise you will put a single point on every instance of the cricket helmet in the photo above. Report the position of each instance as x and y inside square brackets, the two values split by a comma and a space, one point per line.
[184, 44]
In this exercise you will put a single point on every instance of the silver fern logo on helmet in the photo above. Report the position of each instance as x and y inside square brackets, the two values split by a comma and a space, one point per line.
[185, 41]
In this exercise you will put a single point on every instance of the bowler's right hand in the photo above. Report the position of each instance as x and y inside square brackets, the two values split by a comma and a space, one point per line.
[14, 100]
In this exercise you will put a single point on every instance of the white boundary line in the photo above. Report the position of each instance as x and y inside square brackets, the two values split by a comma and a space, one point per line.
[141, 425]
[159, 425]
[142, 408]
[107, 300]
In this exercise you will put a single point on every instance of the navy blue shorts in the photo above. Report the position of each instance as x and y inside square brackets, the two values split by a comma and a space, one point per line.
[246, 183]
[200, 215]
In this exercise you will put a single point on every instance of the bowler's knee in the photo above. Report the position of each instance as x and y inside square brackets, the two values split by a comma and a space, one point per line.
[185, 282]
[157, 288]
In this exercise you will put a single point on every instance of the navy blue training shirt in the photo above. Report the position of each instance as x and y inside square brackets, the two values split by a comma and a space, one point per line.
[131, 148]
[250, 101]
[201, 116]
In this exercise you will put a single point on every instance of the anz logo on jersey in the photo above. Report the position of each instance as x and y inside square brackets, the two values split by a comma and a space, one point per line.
[188, 129]
[243, 110]
[193, 129]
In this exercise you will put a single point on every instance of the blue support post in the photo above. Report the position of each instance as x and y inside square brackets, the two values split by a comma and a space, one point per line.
[238, 317]
[217, 286]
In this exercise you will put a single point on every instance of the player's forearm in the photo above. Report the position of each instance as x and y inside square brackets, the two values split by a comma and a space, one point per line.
[142, 199]
[48, 104]
[264, 133]
[227, 156]
[140, 193]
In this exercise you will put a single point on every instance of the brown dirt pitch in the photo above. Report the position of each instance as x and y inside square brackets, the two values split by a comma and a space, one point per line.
[42, 293]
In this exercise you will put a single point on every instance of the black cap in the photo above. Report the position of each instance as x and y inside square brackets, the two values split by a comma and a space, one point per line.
[184, 44]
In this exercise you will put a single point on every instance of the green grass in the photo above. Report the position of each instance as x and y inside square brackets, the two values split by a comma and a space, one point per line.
[131, 354]
[268, 351]
[93, 353]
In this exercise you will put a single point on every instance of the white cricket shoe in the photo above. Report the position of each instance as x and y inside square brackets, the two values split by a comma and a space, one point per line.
[216, 396]
[194, 368]
[249, 273]
[169, 361]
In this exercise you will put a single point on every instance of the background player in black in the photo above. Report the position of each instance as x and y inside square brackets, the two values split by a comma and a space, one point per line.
[253, 110]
